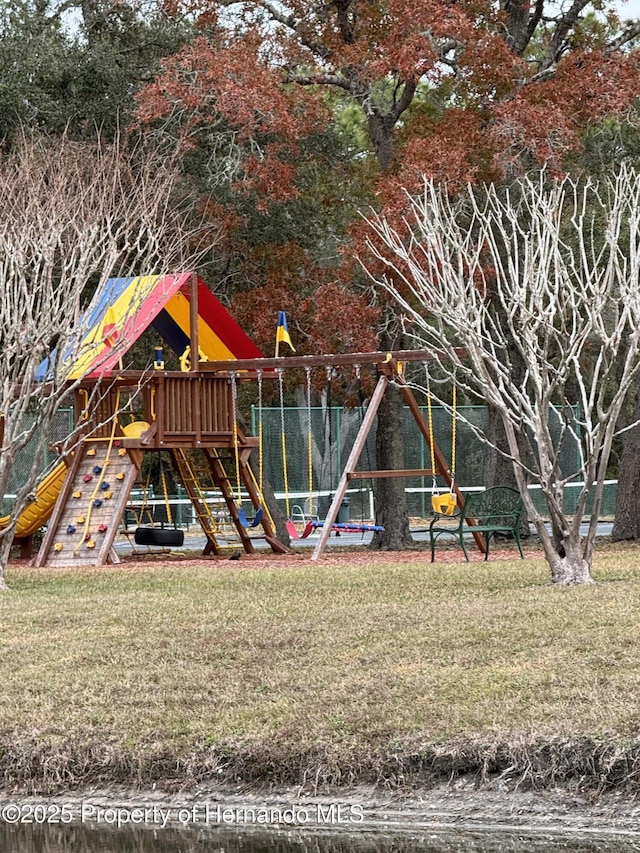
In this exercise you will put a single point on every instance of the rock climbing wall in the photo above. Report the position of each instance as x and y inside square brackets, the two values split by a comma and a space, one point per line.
[85, 521]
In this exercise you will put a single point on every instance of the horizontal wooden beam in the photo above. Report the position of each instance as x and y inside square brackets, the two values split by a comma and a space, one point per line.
[335, 360]
[250, 367]
[389, 472]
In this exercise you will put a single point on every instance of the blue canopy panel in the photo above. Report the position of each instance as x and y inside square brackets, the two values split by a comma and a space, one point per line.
[170, 332]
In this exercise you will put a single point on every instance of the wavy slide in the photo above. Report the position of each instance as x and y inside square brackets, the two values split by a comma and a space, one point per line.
[37, 513]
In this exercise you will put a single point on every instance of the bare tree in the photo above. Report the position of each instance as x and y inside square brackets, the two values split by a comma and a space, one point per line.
[547, 271]
[71, 216]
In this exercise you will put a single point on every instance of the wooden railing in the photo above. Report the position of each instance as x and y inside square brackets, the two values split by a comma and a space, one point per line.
[186, 409]
[190, 407]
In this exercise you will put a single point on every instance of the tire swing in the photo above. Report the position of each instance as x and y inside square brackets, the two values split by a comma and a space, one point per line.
[165, 537]
[162, 537]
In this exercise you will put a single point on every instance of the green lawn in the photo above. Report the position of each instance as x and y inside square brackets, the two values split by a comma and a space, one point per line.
[277, 672]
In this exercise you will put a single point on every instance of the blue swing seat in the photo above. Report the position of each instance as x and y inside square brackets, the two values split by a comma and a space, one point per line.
[255, 521]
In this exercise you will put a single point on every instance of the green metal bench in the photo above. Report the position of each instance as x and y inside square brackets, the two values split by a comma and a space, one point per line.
[496, 510]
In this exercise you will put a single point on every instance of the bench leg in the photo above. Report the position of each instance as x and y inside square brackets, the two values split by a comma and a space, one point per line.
[487, 541]
[464, 547]
[516, 533]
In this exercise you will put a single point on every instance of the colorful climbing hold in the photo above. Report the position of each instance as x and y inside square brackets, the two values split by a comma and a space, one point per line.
[80, 519]
[87, 478]
[120, 475]
[77, 493]
[91, 451]
[57, 546]
[71, 528]
[104, 485]
[91, 544]
[97, 502]
[122, 451]
[108, 495]
[97, 469]
[102, 528]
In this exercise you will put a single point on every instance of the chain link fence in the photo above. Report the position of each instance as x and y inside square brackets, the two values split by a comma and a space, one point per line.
[331, 434]
[61, 426]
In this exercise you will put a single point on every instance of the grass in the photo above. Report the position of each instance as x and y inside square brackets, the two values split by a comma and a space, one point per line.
[334, 673]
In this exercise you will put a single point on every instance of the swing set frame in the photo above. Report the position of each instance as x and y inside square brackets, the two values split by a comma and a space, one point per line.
[390, 368]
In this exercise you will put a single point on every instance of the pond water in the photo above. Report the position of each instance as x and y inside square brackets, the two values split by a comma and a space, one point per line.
[88, 839]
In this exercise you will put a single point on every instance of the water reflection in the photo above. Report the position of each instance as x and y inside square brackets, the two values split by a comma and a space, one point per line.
[85, 839]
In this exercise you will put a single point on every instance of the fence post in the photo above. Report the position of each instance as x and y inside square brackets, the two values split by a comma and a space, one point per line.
[180, 491]
[338, 443]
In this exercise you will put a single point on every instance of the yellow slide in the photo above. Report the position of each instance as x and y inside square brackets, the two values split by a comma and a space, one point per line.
[37, 513]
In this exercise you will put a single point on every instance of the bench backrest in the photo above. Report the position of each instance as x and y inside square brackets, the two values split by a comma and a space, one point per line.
[499, 505]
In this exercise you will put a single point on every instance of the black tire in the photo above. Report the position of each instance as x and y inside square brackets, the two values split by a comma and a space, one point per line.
[166, 537]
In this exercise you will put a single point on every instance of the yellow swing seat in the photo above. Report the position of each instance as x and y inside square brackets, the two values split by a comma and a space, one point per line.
[444, 504]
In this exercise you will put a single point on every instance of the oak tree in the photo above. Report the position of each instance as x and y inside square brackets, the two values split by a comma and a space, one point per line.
[73, 66]
[464, 91]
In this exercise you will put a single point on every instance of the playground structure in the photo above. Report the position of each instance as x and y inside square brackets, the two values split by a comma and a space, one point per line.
[189, 414]
[127, 413]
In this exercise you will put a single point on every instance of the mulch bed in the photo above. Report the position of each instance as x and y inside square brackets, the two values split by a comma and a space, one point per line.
[335, 556]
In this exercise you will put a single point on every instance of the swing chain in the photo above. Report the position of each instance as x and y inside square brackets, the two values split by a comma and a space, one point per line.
[309, 441]
[283, 440]
[165, 492]
[443, 504]
[434, 486]
[454, 406]
[260, 433]
[236, 450]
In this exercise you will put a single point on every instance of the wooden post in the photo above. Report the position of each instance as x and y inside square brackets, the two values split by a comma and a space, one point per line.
[197, 414]
[158, 408]
[193, 324]
[352, 461]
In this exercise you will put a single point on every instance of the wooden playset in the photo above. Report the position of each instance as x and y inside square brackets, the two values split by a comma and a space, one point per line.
[126, 413]
[189, 414]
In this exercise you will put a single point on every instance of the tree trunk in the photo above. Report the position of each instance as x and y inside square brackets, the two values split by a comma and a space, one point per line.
[565, 558]
[277, 515]
[392, 511]
[567, 572]
[571, 568]
[627, 518]
[390, 497]
[5, 549]
[498, 469]
[381, 136]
